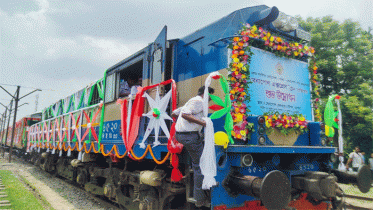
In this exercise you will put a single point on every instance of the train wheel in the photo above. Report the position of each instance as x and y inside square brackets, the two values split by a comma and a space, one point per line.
[82, 176]
[148, 200]
[339, 202]
[175, 202]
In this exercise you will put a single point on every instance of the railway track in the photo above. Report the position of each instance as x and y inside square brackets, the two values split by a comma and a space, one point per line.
[353, 206]
[104, 203]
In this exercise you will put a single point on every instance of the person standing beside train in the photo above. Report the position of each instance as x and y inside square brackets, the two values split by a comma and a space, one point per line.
[188, 132]
[356, 158]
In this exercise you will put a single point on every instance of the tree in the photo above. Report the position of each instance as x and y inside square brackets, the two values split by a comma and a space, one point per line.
[358, 118]
[344, 56]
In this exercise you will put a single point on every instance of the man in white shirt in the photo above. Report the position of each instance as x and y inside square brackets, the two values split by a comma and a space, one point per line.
[188, 128]
[136, 84]
[356, 159]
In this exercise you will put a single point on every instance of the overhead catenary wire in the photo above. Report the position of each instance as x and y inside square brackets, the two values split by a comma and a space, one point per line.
[26, 87]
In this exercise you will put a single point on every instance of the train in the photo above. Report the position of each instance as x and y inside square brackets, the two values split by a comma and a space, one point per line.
[265, 143]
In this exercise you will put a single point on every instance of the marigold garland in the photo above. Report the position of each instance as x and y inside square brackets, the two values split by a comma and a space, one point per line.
[239, 78]
[277, 44]
[315, 89]
[239, 73]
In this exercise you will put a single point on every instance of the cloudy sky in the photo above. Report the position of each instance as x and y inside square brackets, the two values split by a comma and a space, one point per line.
[60, 46]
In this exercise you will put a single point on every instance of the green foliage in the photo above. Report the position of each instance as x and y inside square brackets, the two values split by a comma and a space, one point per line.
[357, 117]
[344, 55]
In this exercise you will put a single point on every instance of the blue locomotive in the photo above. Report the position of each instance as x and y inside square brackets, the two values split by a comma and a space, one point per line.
[115, 137]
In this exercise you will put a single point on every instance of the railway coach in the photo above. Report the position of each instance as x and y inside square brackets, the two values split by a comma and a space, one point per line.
[265, 145]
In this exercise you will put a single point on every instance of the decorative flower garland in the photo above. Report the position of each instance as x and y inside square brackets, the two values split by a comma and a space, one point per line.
[276, 44]
[239, 73]
[285, 123]
[315, 89]
[239, 77]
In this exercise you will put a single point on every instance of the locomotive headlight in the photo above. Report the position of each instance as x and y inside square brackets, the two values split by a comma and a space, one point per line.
[285, 22]
[323, 142]
[261, 130]
[333, 157]
[246, 160]
[261, 120]
[281, 20]
[291, 24]
[262, 140]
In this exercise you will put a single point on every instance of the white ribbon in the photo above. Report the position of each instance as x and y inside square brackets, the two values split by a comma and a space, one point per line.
[341, 165]
[129, 111]
[208, 158]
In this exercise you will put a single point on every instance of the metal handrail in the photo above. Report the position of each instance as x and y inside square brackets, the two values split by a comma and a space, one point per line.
[78, 110]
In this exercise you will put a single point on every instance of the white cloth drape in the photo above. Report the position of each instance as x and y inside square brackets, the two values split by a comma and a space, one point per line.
[208, 158]
[341, 165]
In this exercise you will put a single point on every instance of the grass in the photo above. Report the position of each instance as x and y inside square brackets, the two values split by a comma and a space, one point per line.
[19, 196]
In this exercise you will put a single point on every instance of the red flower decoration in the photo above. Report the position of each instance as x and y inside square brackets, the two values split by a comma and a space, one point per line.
[216, 107]
[216, 77]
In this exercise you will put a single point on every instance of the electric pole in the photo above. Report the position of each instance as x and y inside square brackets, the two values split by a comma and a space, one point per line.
[7, 128]
[3, 123]
[16, 98]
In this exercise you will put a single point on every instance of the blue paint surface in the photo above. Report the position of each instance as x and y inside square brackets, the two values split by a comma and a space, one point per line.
[111, 133]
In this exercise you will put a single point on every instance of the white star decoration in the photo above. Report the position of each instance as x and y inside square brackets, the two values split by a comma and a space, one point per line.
[155, 123]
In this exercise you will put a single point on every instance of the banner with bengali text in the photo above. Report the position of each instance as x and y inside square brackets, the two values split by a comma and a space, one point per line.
[279, 84]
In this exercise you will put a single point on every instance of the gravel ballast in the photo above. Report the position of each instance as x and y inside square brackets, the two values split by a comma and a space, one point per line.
[57, 192]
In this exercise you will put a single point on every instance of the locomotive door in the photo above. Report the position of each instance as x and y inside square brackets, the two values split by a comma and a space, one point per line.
[157, 63]
[158, 55]
[157, 58]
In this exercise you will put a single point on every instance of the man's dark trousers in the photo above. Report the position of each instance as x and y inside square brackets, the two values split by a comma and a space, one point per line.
[194, 145]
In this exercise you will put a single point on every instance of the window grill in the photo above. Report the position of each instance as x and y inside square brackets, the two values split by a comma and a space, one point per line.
[95, 96]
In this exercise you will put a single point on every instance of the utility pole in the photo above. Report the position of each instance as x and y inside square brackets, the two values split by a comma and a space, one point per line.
[3, 118]
[14, 123]
[36, 102]
[16, 98]
[3, 122]
[7, 127]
